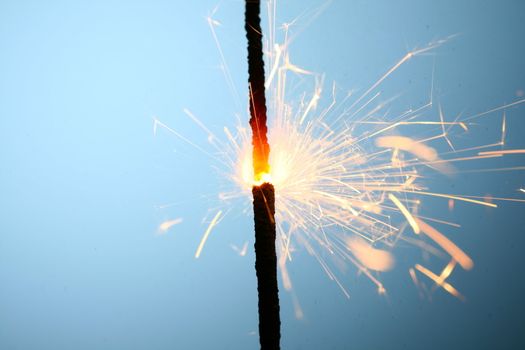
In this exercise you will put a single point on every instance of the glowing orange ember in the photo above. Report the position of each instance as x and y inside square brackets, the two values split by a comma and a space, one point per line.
[261, 148]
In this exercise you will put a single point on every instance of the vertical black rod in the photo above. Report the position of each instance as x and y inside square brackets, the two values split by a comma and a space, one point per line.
[266, 266]
[263, 195]
[261, 149]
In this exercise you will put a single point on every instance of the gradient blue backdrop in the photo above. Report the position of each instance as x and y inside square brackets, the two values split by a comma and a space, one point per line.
[82, 177]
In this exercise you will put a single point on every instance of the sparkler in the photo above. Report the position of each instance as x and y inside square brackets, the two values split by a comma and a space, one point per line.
[349, 181]
[263, 192]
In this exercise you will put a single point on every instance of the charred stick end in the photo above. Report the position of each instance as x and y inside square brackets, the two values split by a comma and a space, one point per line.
[266, 266]
[261, 148]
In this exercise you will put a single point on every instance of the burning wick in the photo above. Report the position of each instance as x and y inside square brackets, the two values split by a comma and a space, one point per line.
[263, 191]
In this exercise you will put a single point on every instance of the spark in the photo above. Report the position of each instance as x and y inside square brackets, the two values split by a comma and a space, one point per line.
[166, 225]
[275, 67]
[503, 129]
[440, 281]
[415, 280]
[458, 198]
[298, 310]
[405, 212]
[455, 252]
[490, 111]
[502, 152]
[374, 259]
[241, 251]
[212, 224]
[212, 23]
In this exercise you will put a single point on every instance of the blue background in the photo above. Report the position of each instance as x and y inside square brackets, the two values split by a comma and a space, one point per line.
[82, 176]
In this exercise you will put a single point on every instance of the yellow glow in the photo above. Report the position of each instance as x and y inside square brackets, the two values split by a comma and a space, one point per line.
[262, 178]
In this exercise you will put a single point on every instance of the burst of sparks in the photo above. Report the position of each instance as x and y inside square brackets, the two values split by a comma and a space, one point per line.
[346, 178]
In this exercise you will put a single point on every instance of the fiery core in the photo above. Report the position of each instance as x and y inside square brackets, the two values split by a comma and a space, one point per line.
[351, 175]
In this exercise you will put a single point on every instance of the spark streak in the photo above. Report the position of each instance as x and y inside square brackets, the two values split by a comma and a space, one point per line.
[440, 281]
[212, 224]
[455, 252]
[502, 152]
[166, 225]
[405, 212]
